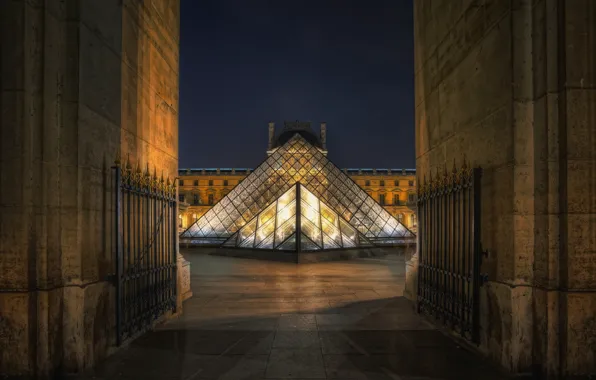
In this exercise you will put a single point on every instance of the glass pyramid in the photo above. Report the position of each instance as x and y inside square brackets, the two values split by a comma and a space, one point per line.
[297, 161]
[297, 213]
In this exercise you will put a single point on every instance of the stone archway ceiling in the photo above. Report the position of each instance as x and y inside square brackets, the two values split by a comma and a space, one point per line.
[297, 161]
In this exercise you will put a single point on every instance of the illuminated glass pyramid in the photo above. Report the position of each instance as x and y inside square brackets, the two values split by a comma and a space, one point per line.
[297, 221]
[260, 193]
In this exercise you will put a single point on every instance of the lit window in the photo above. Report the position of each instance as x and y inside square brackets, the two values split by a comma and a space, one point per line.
[382, 199]
[196, 182]
[367, 183]
[210, 199]
[210, 182]
[381, 183]
[395, 199]
[411, 183]
[181, 182]
[225, 182]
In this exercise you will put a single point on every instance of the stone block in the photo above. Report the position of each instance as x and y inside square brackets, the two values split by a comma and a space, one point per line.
[579, 52]
[581, 251]
[580, 334]
[506, 325]
[14, 333]
[99, 76]
[581, 128]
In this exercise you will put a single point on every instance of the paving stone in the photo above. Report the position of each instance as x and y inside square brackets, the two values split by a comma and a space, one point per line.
[252, 325]
[295, 363]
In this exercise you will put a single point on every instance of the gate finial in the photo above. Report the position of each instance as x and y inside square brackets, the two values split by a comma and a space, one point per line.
[128, 167]
[118, 158]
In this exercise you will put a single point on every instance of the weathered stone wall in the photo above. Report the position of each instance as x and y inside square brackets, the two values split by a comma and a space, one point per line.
[81, 83]
[510, 84]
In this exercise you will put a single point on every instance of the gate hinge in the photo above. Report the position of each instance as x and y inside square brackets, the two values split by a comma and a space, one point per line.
[111, 278]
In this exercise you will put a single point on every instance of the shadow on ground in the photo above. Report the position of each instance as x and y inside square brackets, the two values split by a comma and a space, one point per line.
[254, 320]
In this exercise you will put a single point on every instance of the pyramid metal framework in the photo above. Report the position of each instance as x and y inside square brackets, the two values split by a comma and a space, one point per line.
[297, 161]
[297, 221]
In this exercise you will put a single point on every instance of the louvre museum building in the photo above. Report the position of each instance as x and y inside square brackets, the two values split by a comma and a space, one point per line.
[297, 200]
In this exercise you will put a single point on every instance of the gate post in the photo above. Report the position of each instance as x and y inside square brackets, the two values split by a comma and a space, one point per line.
[119, 246]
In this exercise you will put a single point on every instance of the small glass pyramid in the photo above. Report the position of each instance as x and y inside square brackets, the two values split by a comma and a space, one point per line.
[298, 212]
[273, 182]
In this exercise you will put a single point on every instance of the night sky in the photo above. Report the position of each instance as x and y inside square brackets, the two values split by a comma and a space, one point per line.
[244, 63]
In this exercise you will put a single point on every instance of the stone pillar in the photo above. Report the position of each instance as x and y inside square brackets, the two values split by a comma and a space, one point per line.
[526, 70]
[77, 91]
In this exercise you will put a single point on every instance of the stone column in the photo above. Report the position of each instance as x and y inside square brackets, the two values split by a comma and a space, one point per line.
[526, 70]
[78, 90]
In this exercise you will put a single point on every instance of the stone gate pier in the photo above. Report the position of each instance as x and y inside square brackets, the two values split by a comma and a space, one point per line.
[82, 83]
[511, 86]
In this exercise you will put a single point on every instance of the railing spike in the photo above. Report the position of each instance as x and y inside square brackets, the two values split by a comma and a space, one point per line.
[117, 162]
[128, 167]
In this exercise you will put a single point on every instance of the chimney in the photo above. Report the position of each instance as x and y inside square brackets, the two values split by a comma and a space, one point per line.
[271, 133]
[324, 135]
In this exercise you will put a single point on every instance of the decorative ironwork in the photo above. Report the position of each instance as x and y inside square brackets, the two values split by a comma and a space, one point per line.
[146, 228]
[449, 249]
[297, 161]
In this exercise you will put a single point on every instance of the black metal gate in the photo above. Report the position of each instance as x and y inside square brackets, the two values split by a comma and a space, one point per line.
[146, 228]
[449, 250]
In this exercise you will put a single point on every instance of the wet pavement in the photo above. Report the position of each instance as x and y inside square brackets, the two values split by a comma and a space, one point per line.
[251, 319]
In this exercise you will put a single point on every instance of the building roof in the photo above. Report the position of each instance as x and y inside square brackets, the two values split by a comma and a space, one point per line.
[303, 128]
[243, 171]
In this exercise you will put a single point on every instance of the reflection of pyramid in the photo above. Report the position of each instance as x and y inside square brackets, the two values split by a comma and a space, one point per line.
[298, 212]
[296, 161]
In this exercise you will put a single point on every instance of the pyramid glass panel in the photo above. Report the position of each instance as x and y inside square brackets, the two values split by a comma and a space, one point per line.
[288, 245]
[328, 194]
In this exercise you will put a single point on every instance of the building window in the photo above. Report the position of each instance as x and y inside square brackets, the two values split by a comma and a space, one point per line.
[195, 216]
[195, 199]
[181, 182]
[210, 199]
[196, 182]
[411, 197]
[181, 197]
[210, 182]
[381, 183]
[225, 182]
[180, 221]
[367, 183]
[410, 183]
[396, 182]
[400, 217]
[413, 219]
[382, 199]
[395, 199]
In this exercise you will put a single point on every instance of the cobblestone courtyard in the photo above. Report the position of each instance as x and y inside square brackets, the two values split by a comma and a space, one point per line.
[252, 319]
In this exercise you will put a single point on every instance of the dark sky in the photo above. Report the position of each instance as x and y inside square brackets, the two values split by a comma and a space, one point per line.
[244, 63]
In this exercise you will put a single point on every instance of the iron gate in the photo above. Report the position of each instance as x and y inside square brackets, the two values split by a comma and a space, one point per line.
[146, 228]
[449, 250]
